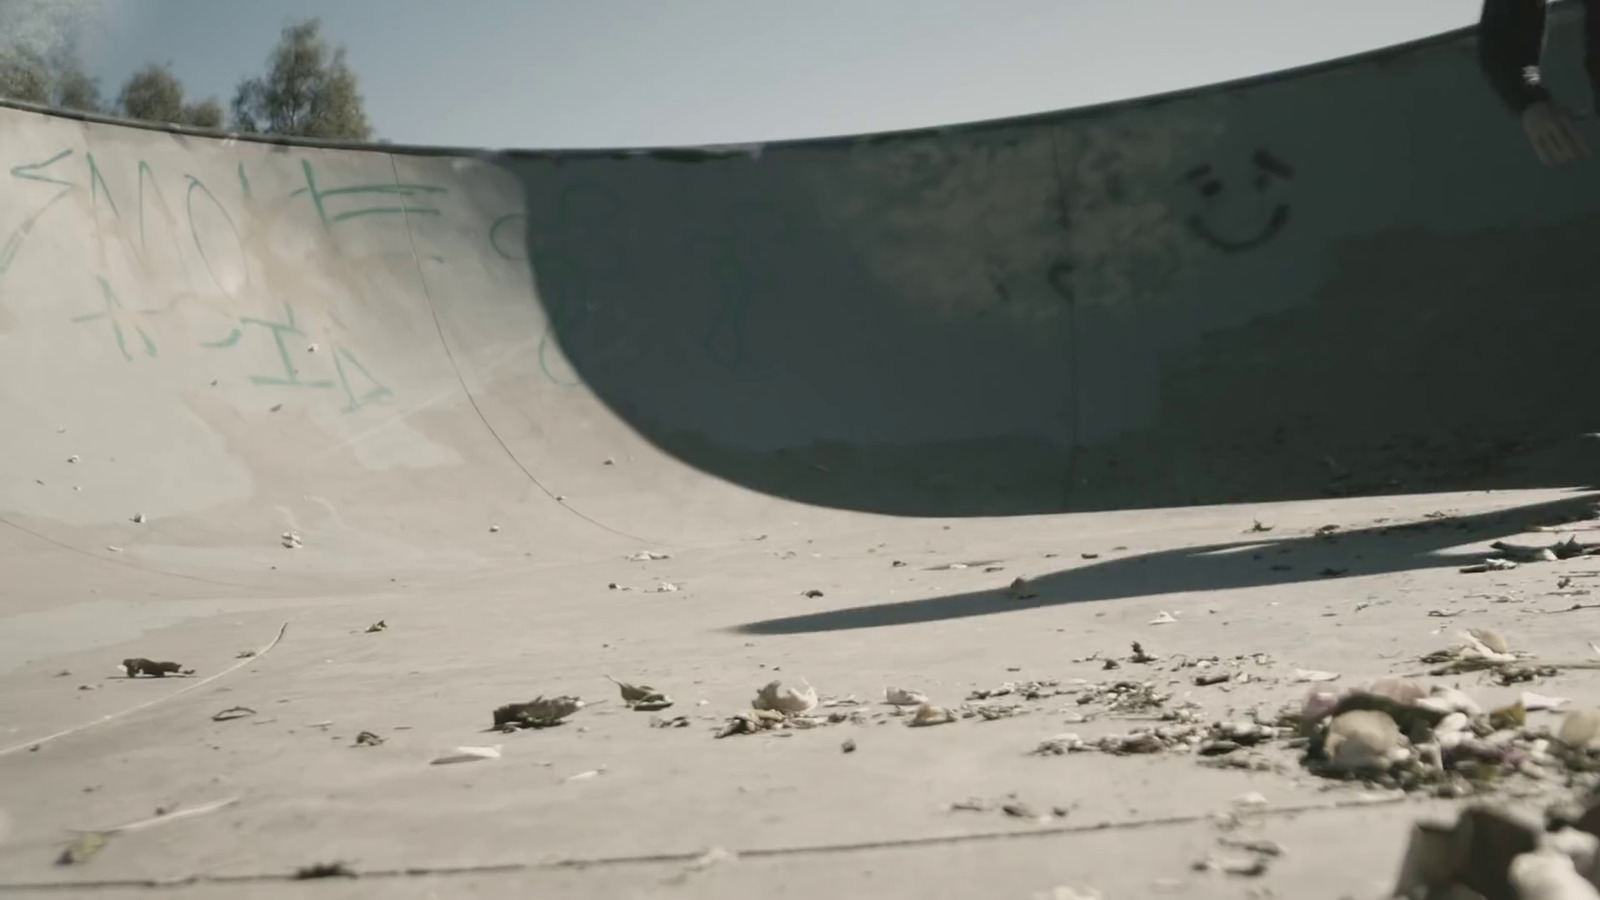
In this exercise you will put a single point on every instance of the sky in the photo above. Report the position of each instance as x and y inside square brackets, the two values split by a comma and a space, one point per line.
[607, 73]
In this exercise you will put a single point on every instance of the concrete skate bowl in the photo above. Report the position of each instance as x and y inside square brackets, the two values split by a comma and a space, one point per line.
[1348, 279]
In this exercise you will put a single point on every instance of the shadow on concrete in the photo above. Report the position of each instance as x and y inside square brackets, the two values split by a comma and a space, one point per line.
[1258, 561]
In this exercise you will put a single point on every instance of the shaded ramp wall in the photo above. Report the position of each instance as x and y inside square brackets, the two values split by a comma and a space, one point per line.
[1353, 278]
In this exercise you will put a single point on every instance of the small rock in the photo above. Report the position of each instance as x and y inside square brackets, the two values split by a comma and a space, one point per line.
[928, 714]
[849, 746]
[1580, 729]
[1363, 740]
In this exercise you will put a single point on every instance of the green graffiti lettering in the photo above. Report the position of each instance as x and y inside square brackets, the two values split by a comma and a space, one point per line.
[196, 184]
[25, 171]
[319, 196]
[377, 392]
[291, 375]
[98, 181]
[116, 314]
[13, 244]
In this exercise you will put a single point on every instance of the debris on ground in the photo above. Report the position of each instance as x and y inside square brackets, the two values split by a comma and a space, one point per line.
[1026, 690]
[291, 540]
[244, 654]
[466, 755]
[775, 697]
[233, 712]
[1492, 564]
[641, 697]
[1258, 527]
[138, 666]
[755, 721]
[1314, 675]
[1492, 853]
[1211, 678]
[1163, 618]
[1250, 866]
[324, 870]
[1021, 589]
[1140, 656]
[82, 849]
[648, 556]
[849, 746]
[377, 626]
[540, 712]
[674, 722]
[901, 697]
[928, 714]
[813, 593]
[367, 739]
[665, 587]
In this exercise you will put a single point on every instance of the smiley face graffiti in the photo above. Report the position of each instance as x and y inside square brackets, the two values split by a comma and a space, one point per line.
[1244, 218]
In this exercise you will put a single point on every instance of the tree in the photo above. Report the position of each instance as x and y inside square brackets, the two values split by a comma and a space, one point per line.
[76, 90]
[24, 75]
[308, 91]
[154, 94]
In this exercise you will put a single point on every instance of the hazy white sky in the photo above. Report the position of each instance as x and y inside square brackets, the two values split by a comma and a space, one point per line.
[587, 73]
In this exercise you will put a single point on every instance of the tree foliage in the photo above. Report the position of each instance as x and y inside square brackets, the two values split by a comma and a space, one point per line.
[24, 75]
[76, 90]
[308, 91]
[154, 94]
[54, 80]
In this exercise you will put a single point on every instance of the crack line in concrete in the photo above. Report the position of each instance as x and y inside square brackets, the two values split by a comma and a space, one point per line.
[684, 858]
[148, 703]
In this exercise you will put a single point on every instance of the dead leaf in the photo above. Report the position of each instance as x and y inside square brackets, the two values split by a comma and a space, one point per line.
[1020, 589]
[1491, 639]
[377, 626]
[368, 739]
[540, 712]
[82, 850]
[641, 697]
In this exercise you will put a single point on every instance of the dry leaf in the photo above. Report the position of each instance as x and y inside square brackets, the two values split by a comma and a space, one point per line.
[82, 850]
[540, 712]
[467, 754]
[1491, 639]
[775, 696]
[901, 697]
[641, 697]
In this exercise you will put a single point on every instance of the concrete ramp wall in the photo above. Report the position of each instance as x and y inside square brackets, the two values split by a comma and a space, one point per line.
[1348, 280]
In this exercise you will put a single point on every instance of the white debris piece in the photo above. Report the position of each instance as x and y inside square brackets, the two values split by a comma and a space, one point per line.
[467, 754]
